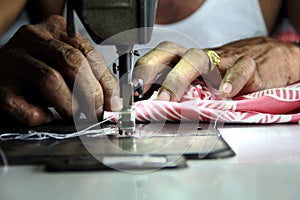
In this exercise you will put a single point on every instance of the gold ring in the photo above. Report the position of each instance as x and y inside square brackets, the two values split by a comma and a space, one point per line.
[163, 88]
[214, 59]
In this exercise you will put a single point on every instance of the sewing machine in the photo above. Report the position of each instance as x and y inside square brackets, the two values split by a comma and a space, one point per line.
[104, 21]
[152, 146]
[267, 165]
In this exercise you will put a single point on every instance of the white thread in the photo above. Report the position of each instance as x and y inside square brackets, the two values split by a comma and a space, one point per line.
[4, 161]
[34, 135]
[216, 123]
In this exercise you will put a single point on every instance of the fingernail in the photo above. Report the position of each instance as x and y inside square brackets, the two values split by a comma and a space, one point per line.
[226, 88]
[116, 103]
[164, 96]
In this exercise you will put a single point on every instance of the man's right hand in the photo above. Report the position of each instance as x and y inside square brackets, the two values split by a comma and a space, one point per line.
[38, 68]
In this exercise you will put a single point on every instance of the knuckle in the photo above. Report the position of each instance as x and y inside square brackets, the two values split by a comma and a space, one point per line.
[86, 47]
[68, 55]
[109, 80]
[171, 47]
[73, 57]
[97, 63]
[168, 46]
[56, 19]
[55, 25]
[52, 79]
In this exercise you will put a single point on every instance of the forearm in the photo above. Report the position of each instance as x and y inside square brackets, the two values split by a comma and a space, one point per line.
[10, 10]
[293, 7]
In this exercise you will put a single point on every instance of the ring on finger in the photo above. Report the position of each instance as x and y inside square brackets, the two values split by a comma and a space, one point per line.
[214, 59]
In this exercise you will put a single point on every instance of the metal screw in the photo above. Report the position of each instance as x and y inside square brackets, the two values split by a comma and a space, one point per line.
[115, 68]
[136, 53]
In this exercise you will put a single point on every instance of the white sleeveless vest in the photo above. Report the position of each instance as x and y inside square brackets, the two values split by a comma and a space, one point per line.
[218, 22]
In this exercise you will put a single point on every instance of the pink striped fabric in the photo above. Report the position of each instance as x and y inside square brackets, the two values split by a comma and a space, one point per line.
[278, 105]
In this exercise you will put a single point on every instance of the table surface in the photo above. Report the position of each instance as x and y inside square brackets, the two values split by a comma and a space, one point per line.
[266, 166]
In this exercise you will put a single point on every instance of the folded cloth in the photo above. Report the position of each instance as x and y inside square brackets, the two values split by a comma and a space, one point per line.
[278, 105]
[286, 32]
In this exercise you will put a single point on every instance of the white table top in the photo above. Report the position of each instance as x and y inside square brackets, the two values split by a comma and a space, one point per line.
[267, 166]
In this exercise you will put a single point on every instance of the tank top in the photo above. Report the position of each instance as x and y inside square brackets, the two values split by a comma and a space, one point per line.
[217, 22]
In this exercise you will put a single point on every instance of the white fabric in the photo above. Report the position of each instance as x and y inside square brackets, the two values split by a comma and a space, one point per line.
[218, 22]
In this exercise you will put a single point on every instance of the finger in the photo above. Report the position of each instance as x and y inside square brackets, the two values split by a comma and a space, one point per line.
[22, 111]
[49, 83]
[156, 61]
[68, 54]
[77, 72]
[56, 27]
[107, 80]
[100, 69]
[237, 76]
[192, 64]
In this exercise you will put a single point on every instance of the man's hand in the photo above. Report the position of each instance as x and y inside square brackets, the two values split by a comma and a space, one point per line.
[246, 66]
[38, 68]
